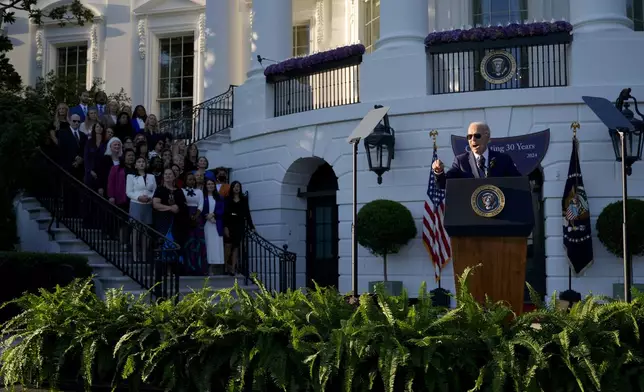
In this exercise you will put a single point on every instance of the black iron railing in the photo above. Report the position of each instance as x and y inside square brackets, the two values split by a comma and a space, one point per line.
[500, 65]
[272, 265]
[336, 85]
[137, 250]
[201, 121]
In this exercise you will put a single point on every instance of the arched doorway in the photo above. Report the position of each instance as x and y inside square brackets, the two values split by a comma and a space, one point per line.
[536, 260]
[322, 228]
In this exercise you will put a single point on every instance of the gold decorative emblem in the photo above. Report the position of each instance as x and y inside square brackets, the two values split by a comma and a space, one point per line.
[498, 67]
[488, 201]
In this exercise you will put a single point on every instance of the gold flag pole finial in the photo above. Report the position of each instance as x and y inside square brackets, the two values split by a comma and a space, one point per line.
[575, 127]
[433, 134]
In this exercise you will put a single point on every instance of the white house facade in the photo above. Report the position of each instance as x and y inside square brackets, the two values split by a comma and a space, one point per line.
[288, 142]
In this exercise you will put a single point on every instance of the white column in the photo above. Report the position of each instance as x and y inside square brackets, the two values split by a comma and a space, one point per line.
[217, 58]
[602, 27]
[271, 37]
[599, 15]
[398, 66]
[403, 24]
[272, 34]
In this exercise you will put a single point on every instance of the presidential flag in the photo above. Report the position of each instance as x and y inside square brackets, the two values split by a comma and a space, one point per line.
[435, 237]
[577, 237]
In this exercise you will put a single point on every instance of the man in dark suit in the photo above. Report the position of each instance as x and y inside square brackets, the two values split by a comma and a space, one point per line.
[71, 143]
[83, 106]
[479, 162]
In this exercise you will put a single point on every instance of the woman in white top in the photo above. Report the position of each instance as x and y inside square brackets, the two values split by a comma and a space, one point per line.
[213, 228]
[140, 188]
[195, 247]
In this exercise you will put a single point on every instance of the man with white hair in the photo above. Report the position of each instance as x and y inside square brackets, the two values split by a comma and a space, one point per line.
[479, 162]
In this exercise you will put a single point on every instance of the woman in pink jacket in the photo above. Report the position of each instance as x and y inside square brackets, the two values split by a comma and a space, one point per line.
[116, 181]
[116, 193]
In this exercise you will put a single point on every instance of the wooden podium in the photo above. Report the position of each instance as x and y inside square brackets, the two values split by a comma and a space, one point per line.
[489, 221]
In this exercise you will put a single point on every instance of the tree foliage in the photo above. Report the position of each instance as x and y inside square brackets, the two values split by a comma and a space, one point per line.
[74, 12]
[609, 227]
[384, 227]
[54, 89]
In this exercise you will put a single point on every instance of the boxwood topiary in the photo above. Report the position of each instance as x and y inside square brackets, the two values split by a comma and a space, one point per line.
[383, 227]
[609, 227]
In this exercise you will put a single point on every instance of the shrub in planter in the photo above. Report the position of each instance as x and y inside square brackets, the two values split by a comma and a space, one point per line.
[384, 227]
[28, 272]
[609, 227]
[315, 341]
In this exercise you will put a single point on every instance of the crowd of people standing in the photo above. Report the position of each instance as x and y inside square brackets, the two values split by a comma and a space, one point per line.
[122, 155]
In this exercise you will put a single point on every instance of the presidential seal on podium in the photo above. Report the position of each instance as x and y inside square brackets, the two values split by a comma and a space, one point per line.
[488, 201]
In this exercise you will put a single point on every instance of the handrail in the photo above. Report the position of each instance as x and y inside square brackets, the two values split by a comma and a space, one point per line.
[202, 120]
[270, 264]
[137, 250]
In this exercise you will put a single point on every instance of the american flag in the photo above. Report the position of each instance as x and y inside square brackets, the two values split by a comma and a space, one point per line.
[435, 238]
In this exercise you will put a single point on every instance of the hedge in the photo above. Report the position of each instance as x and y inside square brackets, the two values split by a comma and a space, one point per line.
[27, 272]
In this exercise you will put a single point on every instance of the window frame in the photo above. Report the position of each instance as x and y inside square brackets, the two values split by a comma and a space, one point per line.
[478, 14]
[66, 46]
[635, 12]
[367, 35]
[158, 100]
[296, 26]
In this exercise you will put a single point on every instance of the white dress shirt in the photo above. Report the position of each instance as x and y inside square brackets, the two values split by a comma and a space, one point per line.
[136, 186]
[486, 155]
[141, 123]
[196, 200]
[76, 133]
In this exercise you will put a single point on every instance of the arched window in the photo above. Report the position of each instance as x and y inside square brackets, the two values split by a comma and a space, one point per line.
[635, 11]
[493, 12]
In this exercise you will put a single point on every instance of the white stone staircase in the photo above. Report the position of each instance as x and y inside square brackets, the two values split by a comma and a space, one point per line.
[33, 222]
[217, 149]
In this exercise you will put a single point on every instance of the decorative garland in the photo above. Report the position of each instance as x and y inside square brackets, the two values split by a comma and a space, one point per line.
[39, 47]
[94, 42]
[512, 30]
[314, 60]
[141, 30]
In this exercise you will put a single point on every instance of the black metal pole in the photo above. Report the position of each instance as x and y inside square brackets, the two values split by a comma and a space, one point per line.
[354, 238]
[628, 262]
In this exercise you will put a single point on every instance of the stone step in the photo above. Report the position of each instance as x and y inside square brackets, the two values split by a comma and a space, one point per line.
[37, 212]
[43, 223]
[72, 246]
[105, 270]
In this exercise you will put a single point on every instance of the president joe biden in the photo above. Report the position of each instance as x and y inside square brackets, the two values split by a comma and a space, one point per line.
[479, 162]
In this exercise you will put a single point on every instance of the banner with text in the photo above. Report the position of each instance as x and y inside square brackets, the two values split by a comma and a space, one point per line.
[526, 151]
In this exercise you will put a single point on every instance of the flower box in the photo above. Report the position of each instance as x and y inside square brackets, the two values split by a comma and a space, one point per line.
[494, 37]
[319, 62]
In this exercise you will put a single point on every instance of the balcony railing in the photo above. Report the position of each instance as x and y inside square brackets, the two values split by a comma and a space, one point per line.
[517, 63]
[137, 250]
[201, 121]
[337, 85]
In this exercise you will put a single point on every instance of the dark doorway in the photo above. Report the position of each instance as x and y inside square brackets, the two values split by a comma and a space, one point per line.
[536, 260]
[322, 228]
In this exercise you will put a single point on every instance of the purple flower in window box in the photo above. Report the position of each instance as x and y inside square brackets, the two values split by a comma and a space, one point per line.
[512, 30]
[314, 61]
